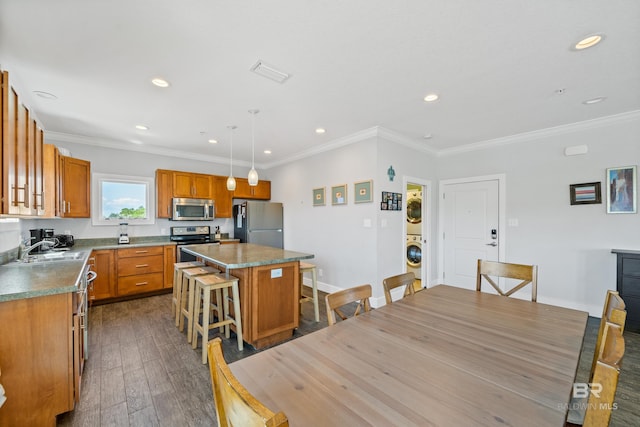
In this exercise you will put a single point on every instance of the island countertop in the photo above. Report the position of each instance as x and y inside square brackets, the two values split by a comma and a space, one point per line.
[243, 255]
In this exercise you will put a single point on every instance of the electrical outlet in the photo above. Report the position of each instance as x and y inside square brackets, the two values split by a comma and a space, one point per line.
[320, 273]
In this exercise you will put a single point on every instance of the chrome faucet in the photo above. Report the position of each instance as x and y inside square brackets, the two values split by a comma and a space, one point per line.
[28, 249]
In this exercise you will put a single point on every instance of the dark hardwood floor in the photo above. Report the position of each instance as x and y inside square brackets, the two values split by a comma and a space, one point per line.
[142, 372]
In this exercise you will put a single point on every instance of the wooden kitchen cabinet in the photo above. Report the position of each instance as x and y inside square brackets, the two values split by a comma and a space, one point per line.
[140, 270]
[103, 262]
[51, 164]
[37, 358]
[223, 197]
[164, 193]
[169, 261]
[75, 188]
[193, 185]
[262, 191]
[22, 160]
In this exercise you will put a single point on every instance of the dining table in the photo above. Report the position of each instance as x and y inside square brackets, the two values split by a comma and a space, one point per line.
[446, 356]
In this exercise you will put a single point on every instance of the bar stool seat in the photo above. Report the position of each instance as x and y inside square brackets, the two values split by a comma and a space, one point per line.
[306, 267]
[204, 286]
[177, 283]
[187, 296]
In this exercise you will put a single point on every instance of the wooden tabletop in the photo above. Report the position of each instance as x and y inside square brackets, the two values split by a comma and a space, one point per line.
[446, 356]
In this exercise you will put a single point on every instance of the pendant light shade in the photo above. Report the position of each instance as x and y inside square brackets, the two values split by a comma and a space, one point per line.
[253, 174]
[231, 181]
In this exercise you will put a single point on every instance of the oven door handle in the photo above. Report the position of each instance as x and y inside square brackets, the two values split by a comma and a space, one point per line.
[91, 276]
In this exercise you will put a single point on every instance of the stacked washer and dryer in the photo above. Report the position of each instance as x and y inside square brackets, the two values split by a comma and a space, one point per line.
[414, 228]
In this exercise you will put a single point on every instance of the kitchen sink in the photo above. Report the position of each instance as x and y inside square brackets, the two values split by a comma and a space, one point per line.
[53, 257]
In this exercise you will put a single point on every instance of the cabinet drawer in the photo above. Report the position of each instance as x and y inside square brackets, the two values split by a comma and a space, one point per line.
[144, 251]
[140, 283]
[631, 266]
[141, 265]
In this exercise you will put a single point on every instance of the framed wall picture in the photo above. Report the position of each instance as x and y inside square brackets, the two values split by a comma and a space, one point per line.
[318, 196]
[339, 194]
[621, 190]
[362, 191]
[585, 194]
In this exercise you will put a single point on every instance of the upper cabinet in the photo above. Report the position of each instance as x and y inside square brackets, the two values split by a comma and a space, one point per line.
[262, 191]
[171, 184]
[22, 156]
[75, 188]
[193, 185]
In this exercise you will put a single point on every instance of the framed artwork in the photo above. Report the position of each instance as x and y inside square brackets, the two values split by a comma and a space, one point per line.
[585, 194]
[621, 190]
[318, 196]
[362, 191]
[339, 194]
[391, 201]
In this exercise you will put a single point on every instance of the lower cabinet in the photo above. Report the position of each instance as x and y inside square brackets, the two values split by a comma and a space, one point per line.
[37, 354]
[103, 262]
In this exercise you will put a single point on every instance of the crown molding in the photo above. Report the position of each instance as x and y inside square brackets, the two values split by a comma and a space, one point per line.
[544, 133]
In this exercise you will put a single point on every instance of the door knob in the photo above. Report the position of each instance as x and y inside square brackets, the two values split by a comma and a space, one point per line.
[492, 244]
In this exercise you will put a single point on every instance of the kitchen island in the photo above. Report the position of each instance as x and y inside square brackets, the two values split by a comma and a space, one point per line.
[269, 284]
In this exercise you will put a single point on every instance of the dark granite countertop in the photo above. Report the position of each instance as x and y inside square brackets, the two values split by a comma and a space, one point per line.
[244, 255]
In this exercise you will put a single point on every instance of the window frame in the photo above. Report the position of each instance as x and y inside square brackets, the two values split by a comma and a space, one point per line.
[99, 178]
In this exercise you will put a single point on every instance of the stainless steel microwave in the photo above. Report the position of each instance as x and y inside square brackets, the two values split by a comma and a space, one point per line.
[192, 209]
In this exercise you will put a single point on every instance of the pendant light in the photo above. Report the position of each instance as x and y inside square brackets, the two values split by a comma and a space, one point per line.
[253, 175]
[231, 181]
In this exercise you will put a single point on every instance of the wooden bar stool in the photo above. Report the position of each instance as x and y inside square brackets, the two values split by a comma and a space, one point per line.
[304, 268]
[177, 283]
[204, 286]
[187, 297]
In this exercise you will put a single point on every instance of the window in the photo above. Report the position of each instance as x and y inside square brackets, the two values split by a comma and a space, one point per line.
[122, 199]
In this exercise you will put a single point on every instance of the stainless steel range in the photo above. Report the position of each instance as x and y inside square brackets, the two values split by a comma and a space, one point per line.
[190, 235]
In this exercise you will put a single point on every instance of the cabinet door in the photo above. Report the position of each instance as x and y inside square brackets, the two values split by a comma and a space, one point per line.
[51, 163]
[202, 186]
[104, 264]
[75, 188]
[169, 261]
[164, 193]
[38, 171]
[9, 120]
[183, 184]
[222, 197]
[262, 191]
[243, 189]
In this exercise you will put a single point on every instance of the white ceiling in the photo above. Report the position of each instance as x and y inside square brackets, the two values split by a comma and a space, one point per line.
[355, 65]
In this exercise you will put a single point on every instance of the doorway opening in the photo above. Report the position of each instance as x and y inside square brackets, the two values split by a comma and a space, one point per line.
[416, 230]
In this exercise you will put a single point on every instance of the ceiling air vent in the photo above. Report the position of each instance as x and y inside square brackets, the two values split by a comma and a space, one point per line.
[270, 72]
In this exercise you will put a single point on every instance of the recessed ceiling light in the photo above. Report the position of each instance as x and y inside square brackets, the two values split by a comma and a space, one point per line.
[594, 100]
[589, 41]
[431, 97]
[213, 141]
[45, 95]
[269, 71]
[427, 136]
[135, 141]
[160, 82]
[320, 130]
[142, 127]
[267, 151]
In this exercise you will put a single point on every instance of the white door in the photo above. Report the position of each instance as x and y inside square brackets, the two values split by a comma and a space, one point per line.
[470, 229]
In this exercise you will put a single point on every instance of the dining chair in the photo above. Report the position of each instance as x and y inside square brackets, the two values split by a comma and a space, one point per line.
[604, 384]
[235, 406]
[336, 300]
[614, 311]
[528, 274]
[405, 279]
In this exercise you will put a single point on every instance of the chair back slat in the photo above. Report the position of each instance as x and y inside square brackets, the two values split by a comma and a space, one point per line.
[358, 294]
[614, 311]
[405, 279]
[528, 274]
[605, 379]
[235, 406]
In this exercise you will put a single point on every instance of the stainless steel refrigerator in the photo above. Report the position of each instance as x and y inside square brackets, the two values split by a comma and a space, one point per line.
[259, 223]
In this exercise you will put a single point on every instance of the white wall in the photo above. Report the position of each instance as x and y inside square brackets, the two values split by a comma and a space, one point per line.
[348, 252]
[570, 244]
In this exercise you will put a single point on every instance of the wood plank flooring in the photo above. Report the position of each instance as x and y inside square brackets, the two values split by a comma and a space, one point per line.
[142, 372]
